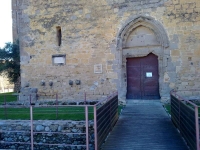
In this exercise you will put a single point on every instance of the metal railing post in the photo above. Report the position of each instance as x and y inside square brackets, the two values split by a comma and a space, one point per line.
[56, 106]
[85, 98]
[110, 116]
[31, 119]
[179, 114]
[5, 110]
[86, 126]
[197, 127]
[30, 100]
[95, 128]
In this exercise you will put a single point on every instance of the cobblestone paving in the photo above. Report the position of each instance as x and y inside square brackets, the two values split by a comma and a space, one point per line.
[144, 126]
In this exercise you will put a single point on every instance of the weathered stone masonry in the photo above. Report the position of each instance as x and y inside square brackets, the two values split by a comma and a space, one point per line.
[97, 32]
[48, 132]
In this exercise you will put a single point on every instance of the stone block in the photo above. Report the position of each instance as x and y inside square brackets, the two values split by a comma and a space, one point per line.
[175, 53]
[28, 94]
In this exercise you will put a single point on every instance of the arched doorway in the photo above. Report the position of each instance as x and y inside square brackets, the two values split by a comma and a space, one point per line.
[140, 38]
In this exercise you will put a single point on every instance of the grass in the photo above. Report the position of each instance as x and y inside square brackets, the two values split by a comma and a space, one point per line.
[45, 113]
[50, 113]
[168, 108]
[9, 97]
[120, 107]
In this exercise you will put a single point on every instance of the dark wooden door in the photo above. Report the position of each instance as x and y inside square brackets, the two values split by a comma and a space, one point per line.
[143, 78]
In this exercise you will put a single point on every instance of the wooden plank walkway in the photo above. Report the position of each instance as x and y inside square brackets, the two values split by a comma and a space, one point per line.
[144, 126]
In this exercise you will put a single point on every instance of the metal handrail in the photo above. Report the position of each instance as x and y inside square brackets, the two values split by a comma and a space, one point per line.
[96, 107]
[106, 108]
[107, 98]
[181, 101]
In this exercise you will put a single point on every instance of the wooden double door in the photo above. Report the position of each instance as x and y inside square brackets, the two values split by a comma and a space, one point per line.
[143, 77]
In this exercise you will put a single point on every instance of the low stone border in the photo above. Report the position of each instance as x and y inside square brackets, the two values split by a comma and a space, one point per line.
[47, 103]
[57, 132]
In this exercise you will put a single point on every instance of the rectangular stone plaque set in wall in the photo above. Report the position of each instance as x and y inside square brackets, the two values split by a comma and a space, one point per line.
[98, 68]
[58, 59]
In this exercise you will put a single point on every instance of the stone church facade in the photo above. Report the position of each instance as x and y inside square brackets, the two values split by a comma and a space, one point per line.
[142, 48]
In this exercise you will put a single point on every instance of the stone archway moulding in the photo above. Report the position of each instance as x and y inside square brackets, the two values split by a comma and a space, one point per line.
[144, 21]
[162, 39]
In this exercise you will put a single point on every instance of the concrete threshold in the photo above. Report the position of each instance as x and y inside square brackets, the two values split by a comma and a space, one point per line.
[139, 101]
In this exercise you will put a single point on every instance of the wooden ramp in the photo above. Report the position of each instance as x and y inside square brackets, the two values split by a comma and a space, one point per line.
[144, 126]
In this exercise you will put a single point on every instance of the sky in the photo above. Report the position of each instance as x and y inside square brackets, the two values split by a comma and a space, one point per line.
[5, 22]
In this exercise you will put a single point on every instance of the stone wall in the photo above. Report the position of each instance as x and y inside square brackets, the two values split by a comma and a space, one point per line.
[57, 132]
[90, 34]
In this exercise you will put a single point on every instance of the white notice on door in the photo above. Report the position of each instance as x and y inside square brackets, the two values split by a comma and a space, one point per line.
[149, 74]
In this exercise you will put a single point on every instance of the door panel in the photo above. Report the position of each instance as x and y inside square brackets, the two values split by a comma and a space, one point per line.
[151, 83]
[133, 82]
[143, 78]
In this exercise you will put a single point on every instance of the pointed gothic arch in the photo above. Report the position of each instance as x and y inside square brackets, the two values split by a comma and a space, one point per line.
[146, 21]
[157, 33]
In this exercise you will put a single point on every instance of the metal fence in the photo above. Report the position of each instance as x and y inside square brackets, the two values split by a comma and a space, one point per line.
[105, 117]
[104, 113]
[185, 116]
[6, 98]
